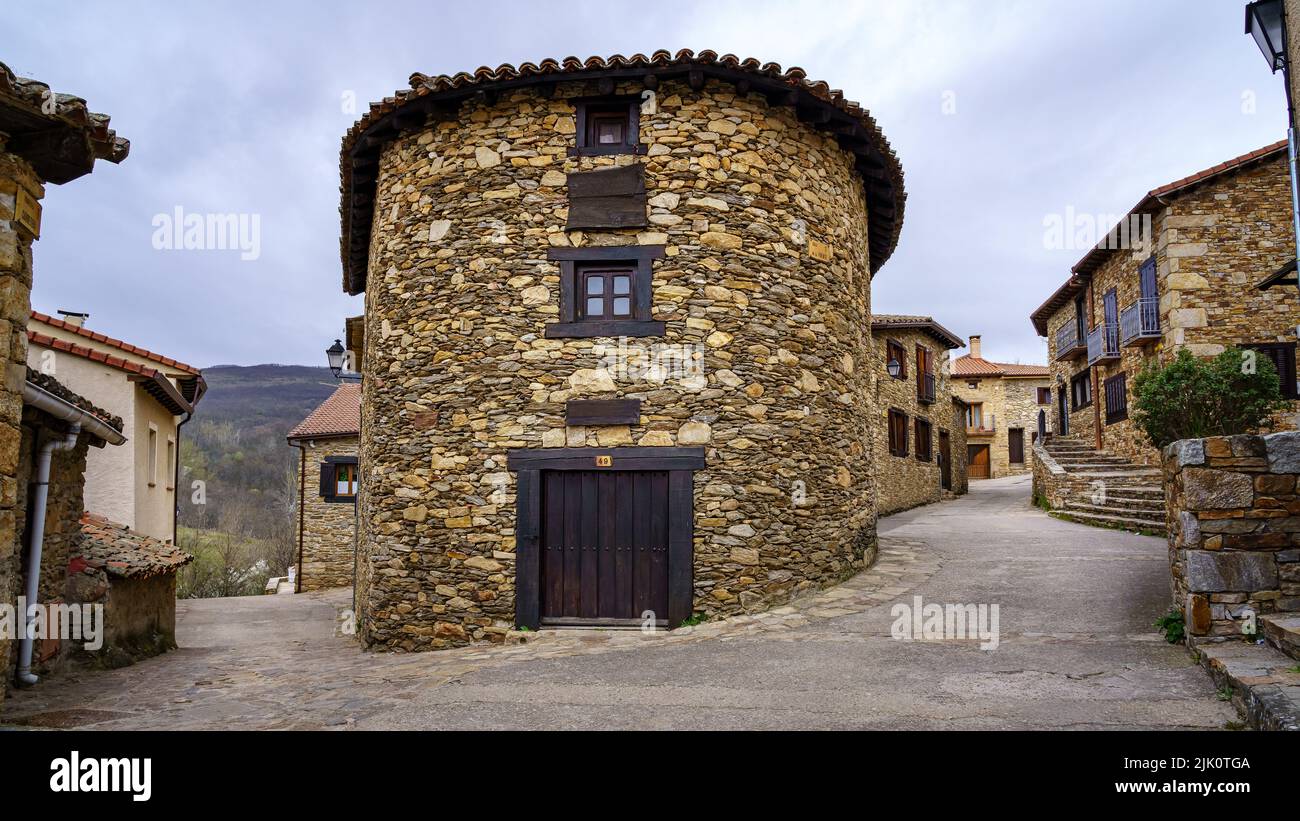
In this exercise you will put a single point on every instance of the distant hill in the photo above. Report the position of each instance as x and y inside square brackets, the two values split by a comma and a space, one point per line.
[235, 446]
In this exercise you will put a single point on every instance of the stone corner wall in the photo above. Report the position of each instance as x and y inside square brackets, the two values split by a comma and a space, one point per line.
[1051, 483]
[1233, 516]
[328, 528]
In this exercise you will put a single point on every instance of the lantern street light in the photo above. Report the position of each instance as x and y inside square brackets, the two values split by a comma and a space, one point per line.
[336, 356]
[894, 367]
[1266, 22]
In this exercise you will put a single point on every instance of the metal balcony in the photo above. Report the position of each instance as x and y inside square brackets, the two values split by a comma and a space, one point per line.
[1068, 343]
[925, 389]
[1139, 323]
[1103, 344]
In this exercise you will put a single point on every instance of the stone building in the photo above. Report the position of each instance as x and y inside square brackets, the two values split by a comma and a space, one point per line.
[617, 343]
[920, 441]
[1200, 263]
[327, 492]
[1003, 400]
[45, 138]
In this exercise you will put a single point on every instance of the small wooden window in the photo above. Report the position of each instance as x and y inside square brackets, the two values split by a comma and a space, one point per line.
[607, 125]
[345, 480]
[923, 447]
[153, 455]
[1044, 396]
[975, 415]
[1081, 390]
[897, 433]
[605, 291]
[339, 478]
[895, 352]
[1283, 356]
[1116, 398]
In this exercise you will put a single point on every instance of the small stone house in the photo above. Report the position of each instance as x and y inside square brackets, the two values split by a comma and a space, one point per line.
[617, 363]
[1200, 263]
[920, 442]
[45, 139]
[327, 491]
[1003, 401]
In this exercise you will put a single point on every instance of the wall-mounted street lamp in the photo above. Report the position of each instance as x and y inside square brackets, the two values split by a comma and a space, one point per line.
[894, 367]
[337, 357]
[1266, 22]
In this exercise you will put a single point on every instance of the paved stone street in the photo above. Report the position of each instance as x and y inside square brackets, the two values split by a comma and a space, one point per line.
[1077, 651]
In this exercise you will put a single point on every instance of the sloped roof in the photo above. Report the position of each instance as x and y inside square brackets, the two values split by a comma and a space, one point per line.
[116, 343]
[53, 386]
[54, 132]
[853, 126]
[880, 322]
[965, 366]
[152, 380]
[1082, 271]
[120, 551]
[339, 415]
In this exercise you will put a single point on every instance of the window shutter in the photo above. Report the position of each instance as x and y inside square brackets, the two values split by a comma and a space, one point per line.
[327, 479]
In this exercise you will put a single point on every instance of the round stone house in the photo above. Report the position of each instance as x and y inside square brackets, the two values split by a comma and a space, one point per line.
[616, 346]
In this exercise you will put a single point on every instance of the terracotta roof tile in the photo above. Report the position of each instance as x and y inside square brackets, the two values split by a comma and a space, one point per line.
[156, 383]
[339, 415]
[968, 365]
[116, 343]
[120, 551]
[925, 323]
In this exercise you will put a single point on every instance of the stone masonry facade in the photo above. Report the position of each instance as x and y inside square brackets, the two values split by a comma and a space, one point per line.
[1233, 514]
[904, 482]
[1212, 243]
[328, 527]
[764, 361]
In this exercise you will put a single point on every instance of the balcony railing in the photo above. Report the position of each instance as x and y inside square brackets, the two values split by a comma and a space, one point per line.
[1068, 343]
[981, 426]
[925, 388]
[1103, 343]
[1139, 323]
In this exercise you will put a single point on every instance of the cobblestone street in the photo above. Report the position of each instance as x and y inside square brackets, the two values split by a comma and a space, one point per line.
[1077, 650]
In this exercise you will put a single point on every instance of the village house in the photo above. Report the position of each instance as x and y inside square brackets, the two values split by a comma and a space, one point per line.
[154, 395]
[920, 442]
[1202, 268]
[327, 441]
[45, 429]
[1003, 401]
[617, 349]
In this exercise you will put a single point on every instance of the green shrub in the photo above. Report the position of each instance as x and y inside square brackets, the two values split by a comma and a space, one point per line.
[1172, 625]
[1192, 398]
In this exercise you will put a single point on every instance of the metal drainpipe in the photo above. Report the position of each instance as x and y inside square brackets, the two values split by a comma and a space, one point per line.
[302, 505]
[176, 483]
[39, 503]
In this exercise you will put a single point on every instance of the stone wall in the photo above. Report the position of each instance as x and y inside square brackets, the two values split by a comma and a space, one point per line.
[1009, 402]
[15, 306]
[905, 482]
[458, 369]
[1212, 244]
[329, 528]
[1233, 514]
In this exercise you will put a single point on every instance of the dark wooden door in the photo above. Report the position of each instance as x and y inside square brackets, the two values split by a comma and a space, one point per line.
[945, 460]
[1062, 410]
[977, 464]
[1016, 445]
[604, 546]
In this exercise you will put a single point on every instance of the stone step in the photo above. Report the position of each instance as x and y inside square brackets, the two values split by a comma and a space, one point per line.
[1115, 471]
[1156, 517]
[1282, 630]
[1115, 522]
[1259, 677]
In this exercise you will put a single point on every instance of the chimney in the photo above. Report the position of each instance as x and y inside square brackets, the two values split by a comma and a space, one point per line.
[975, 346]
[75, 318]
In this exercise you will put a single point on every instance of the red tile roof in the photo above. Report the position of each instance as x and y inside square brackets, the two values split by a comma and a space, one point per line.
[340, 415]
[964, 366]
[857, 129]
[882, 322]
[116, 343]
[120, 551]
[155, 381]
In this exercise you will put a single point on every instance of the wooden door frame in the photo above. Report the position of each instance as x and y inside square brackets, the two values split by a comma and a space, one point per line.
[680, 464]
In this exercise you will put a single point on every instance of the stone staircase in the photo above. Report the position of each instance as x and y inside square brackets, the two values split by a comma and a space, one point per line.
[1105, 490]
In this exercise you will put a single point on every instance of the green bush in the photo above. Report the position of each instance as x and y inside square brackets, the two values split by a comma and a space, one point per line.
[1192, 398]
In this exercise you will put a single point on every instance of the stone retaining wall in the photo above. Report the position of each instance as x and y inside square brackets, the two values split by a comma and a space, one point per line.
[1233, 515]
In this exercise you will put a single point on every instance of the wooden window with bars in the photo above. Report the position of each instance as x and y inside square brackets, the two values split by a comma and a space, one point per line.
[1282, 355]
[1116, 398]
[897, 433]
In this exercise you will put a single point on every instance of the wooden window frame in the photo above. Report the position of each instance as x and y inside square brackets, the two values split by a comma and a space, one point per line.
[528, 464]
[924, 444]
[898, 439]
[1084, 376]
[892, 345]
[585, 107]
[572, 325]
[1116, 397]
[1286, 373]
[1043, 395]
[328, 489]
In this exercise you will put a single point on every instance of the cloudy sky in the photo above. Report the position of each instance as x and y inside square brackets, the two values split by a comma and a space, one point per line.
[1003, 114]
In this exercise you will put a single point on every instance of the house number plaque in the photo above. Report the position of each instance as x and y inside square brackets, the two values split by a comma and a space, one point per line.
[604, 461]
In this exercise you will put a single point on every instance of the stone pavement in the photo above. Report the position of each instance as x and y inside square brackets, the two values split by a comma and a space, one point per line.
[1077, 649]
